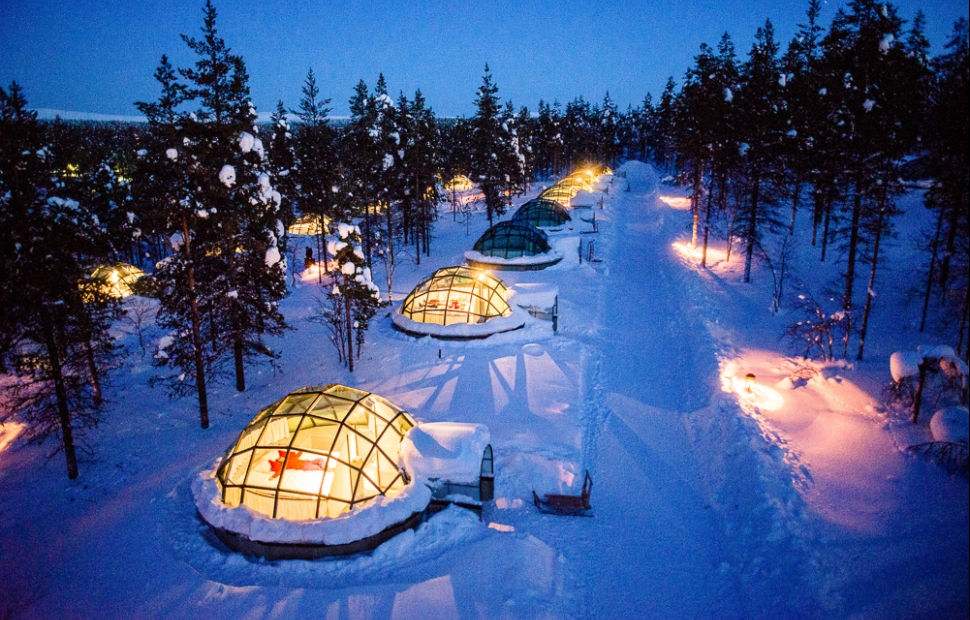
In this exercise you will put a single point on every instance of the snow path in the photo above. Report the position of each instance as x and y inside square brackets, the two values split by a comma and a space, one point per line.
[650, 520]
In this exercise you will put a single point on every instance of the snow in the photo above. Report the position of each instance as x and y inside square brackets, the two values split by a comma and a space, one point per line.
[728, 95]
[583, 199]
[246, 141]
[227, 175]
[535, 294]
[951, 424]
[497, 325]
[868, 104]
[904, 364]
[171, 154]
[449, 451]
[362, 521]
[272, 256]
[546, 258]
[796, 501]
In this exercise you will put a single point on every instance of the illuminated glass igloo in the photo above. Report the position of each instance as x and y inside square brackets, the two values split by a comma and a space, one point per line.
[458, 302]
[316, 453]
[513, 245]
[542, 212]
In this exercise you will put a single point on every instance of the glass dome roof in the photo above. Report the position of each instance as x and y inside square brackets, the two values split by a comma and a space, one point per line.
[542, 212]
[457, 295]
[512, 239]
[316, 453]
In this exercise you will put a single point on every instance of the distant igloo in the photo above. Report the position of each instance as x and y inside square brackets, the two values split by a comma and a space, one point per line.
[513, 245]
[542, 213]
[314, 474]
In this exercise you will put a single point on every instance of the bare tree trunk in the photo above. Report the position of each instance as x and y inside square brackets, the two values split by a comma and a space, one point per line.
[929, 278]
[817, 202]
[872, 282]
[707, 223]
[93, 372]
[829, 200]
[950, 249]
[60, 392]
[350, 331]
[196, 332]
[237, 353]
[796, 191]
[694, 204]
[752, 227]
[853, 246]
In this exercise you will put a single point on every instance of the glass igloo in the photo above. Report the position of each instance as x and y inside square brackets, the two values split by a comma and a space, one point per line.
[512, 239]
[115, 279]
[316, 453]
[457, 295]
[542, 212]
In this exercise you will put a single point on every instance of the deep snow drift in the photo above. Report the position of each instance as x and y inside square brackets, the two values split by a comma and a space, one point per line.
[792, 500]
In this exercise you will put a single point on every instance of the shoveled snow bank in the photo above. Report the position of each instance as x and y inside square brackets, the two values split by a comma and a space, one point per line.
[535, 294]
[462, 330]
[449, 451]
[363, 521]
[951, 424]
[546, 258]
[582, 199]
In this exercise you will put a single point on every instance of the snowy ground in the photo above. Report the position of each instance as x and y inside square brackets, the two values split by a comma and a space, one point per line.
[797, 503]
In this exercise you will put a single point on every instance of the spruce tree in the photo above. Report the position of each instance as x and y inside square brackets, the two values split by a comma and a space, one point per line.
[48, 248]
[490, 147]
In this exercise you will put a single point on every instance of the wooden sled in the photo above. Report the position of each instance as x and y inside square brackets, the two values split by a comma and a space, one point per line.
[567, 505]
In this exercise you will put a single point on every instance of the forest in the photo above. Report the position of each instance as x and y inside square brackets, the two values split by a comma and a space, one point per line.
[839, 122]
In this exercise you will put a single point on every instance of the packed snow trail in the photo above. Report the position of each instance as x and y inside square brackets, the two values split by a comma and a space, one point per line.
[653, 364]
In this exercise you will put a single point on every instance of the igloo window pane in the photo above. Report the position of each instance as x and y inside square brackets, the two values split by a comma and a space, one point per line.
[238, 467]
[296, 507]
[233, 496]
[296, 403]
[279, 431]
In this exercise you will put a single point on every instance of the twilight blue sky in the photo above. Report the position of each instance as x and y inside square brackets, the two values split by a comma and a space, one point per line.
[99, 55]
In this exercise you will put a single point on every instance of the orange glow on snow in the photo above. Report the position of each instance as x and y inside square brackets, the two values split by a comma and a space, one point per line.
[750, 394]
[690, 252]
[676, 202]
[9, 432]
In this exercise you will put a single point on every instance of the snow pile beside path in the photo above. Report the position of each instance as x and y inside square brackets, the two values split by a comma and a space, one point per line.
[582, 199]
[444, 450]
[904, 364]
[535, 294]
[951, 424]
[363, 521]
[638, 173]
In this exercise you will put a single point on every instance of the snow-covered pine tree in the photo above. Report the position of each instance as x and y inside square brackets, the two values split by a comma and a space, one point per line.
[233, 190]
[363, 161]
[663, 139]
[354, 297]
[316, 168]
[609, 127]
[489, 147]
[761, 110]
[947, 136]
[281, 163]
[48, 247]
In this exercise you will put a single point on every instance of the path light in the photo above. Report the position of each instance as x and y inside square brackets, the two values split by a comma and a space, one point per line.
[749, 381]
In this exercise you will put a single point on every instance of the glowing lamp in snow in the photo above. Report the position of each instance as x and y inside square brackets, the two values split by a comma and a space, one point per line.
[749, 381]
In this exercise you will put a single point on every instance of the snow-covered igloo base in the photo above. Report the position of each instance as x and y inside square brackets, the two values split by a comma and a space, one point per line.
[460, 331]
[520, 263]
[361, 529]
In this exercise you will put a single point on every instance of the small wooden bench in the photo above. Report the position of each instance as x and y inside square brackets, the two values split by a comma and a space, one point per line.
[568, 505]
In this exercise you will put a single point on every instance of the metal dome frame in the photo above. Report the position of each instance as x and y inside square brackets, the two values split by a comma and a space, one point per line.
[512, 239]
[321, 434]
[457, 295]
[542, 212]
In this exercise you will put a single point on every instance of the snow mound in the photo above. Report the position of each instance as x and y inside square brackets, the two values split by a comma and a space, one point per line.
[546, 258]
[637, 172]
[497, 325]
[951, 424]
[361, 522]
[583, 199]
[228, 175]
[535, 294]
[904, 364]
[444, 450]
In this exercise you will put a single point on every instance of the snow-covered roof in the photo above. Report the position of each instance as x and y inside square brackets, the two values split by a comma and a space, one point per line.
[450, 451]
